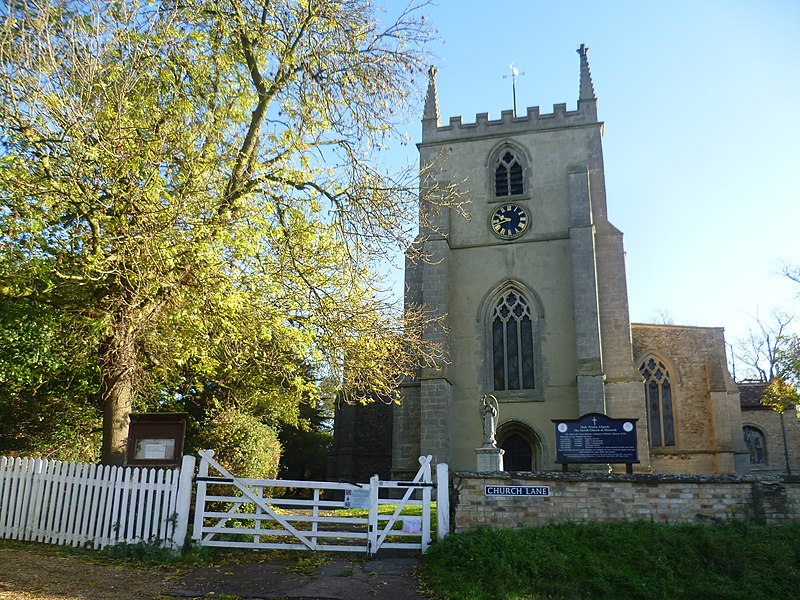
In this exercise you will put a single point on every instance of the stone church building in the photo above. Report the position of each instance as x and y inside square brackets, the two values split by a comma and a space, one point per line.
[533, 291]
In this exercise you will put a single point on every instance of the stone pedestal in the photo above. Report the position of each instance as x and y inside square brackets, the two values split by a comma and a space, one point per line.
[490, 459]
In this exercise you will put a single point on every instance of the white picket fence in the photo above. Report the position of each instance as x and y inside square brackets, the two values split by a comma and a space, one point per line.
[81, 504]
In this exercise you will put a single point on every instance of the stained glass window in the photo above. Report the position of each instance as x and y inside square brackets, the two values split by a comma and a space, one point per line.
[754, 438]
[658, 397]
[512, 343]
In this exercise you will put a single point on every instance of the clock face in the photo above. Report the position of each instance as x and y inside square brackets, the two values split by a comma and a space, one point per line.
[509, 221]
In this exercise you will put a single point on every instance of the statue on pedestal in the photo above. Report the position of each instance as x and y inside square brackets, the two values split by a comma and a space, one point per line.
[489, 412]
[489, 456]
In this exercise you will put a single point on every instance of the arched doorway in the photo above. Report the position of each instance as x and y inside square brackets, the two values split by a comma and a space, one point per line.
[521, 447]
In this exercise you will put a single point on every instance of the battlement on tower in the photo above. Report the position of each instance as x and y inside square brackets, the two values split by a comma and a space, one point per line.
[509, 124]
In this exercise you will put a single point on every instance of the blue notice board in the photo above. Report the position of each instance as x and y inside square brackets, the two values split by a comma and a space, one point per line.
[596, 438]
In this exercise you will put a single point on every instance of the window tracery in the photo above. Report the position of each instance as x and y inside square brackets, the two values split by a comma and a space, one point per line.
[658, 397]
[512, 343]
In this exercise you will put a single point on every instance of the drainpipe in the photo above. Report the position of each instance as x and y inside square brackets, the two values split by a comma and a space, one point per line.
[785, 446]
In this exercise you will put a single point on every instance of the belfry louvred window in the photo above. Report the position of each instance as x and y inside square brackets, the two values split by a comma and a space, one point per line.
[508, 179]
[658, 397]
[512, 343]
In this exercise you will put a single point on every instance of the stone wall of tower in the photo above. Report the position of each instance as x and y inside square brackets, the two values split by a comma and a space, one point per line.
[422, 425]
[362, 442]
[623, 382]
[583, 254]
[406, 425]
[468, 263]
[435, 387]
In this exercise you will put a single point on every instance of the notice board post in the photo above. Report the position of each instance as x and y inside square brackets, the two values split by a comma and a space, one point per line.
[156, 439]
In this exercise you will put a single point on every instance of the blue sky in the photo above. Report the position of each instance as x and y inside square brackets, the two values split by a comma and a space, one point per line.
[701, 104]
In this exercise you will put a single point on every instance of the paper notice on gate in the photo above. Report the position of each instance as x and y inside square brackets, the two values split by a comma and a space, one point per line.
[412, 525]
[356, 498]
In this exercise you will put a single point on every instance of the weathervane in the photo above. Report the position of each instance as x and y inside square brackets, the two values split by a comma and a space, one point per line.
[514, 74]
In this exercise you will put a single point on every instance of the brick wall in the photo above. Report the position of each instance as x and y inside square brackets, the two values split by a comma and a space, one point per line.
[586, 497]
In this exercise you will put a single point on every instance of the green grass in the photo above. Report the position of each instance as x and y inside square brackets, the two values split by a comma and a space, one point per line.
[139, 554]
[617, 561]
[151, 553]
[388, 509]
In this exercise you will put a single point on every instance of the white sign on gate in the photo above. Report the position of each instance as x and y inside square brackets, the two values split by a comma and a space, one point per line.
[356, 498]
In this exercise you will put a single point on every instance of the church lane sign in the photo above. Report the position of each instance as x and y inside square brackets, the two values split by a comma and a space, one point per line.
[517, 490]
[596, 438]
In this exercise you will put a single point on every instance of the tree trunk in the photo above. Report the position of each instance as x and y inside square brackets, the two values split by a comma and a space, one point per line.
[119, 362]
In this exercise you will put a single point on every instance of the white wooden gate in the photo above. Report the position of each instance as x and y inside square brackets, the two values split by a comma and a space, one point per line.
[281, 514]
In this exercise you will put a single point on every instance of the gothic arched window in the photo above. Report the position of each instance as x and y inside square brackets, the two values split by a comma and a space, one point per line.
[512, 343]
[508, 175]
[658, 397]
[756, 444]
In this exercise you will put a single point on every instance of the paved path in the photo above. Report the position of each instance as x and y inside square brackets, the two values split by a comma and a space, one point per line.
[341, 578]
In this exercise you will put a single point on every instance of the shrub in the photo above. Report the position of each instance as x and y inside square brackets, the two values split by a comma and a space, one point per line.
[241, 443]
[306, 453]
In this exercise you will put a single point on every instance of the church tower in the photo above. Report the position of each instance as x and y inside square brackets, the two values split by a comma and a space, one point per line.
[531, 287]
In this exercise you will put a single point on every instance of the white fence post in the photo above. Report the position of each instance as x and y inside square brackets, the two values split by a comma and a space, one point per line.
[200, 498]
[442, 501]
[183, 502]
[372, 535]
[426, 506]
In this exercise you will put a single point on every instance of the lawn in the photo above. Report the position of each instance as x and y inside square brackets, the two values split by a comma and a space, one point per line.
[618, 561]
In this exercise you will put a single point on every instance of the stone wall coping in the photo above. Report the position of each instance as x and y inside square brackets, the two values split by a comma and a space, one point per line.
[675, 327]
[645, 478]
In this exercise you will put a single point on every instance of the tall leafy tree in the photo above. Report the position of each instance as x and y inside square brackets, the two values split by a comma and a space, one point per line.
[47, 380]
[200, 180]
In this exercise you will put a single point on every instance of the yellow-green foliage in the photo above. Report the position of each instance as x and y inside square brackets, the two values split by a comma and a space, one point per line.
[780, 395]
[203, 182]
[241, 443]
